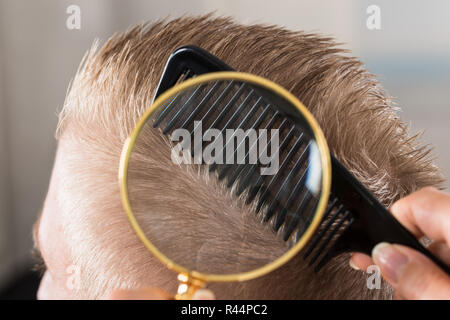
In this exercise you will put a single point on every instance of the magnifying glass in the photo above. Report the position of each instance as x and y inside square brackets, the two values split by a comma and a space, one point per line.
[261, 145]
[253, 121]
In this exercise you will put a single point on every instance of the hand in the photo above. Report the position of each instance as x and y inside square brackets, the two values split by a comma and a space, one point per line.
[412, 275]
[155, 294]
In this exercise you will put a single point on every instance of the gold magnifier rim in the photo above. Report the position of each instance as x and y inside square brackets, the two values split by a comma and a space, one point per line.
[325, 162]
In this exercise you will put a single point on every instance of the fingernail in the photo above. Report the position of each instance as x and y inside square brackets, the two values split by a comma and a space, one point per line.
[352, 265]
[203, 294]
[390, 260]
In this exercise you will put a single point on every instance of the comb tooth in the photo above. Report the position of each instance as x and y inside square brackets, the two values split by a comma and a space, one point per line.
[329, 253]
[331, 205]
[256, 187]
[330, 208]
[214, 104]
[230, 120]
[220, 115]
[292, 195]
[212, 107]
[171, 123]
[243, 123]
[222, 95]
[255, 126]
[325, 228]
[239, 168]
[328, 238]
[275, 177]
[304, 226]
[296, 218]
[280, 217]
[186, 75]
[165, 112]
[234, 176]
[227, 107]
[238, 110]
[197, 108]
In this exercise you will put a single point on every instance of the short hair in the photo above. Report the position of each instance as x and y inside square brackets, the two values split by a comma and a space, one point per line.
[116, 84]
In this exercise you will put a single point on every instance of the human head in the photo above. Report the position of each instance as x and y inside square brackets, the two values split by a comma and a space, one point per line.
[83, 223]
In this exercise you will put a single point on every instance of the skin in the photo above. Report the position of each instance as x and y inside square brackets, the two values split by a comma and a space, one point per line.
[412, 275]
[53, 248]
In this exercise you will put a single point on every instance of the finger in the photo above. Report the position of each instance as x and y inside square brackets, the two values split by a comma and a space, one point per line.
[397, 296]
[440, 250]
[425, 212]
[360, 261]
[141, 294]
[411, 274]
[203, 294]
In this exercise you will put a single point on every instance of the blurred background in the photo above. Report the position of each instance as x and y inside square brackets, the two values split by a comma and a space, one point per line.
[39, 55]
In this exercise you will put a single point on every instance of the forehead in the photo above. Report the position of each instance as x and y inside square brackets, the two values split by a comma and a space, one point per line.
[49, 233]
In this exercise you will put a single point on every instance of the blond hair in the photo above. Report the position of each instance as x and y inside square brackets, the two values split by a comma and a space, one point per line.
[115, 85]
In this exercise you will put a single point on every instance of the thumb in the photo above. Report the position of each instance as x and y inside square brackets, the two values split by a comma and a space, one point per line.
[203, 294]
[410, 273]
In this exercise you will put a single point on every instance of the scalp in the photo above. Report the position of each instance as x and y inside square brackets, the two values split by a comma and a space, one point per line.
[116, 84]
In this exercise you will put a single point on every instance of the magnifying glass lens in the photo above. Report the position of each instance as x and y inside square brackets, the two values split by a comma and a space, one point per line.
[243, 141]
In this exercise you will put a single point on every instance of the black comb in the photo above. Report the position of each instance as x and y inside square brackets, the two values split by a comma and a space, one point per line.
[354, 220]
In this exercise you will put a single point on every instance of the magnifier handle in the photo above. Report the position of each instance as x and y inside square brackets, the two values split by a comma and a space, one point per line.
[187, 287]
